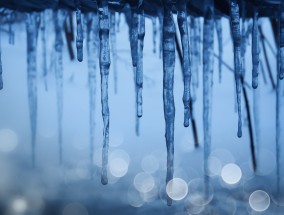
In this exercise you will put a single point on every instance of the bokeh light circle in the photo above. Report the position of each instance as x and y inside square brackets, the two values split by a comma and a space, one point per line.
[118, 167]
[259, 201]
[231, 173]
[177, 189]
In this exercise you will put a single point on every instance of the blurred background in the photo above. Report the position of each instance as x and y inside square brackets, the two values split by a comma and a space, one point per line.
[137, 164]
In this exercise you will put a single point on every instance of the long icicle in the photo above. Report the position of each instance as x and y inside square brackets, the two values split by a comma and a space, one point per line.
[256, 120]
[79, 37]
[32, 26]
[168, 82]
[255, 49]
[279, 129]
[155, 30]
[281, 36]
[104, 71]
[235, 25]
[279, 107]
[58, 46]
[160, 16]
[113, 48]
[92, 50]
[11, 31]
[139, 71]
[186, 65]
[218, 23]
[43, 43]
[208, 67]
[1, 68]
[199, 39]
[134, 57]
[194, 57]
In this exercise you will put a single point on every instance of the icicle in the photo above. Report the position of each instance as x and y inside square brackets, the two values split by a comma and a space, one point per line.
[168, 82]
[11, 31]
[104, 71]
[118, 23]
[134, 38]
[281, 17]
[58, 46]
[255, 50]
[79, 38]
[134, 56]
[32, 26]
[220, 45]
[1, 69]
[92, 50]
[160, 16]
[113, 47]
[256, 119]
[235, 25]
[279, 129]
[154, 23]
[194, 56]
[199, 39]
[208, 67]
[243, 51]
[182, 24]
[279, 105]
[43, 43]
[139, 71]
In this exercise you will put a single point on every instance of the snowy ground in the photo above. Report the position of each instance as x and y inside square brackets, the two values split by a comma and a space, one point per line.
[49, 188]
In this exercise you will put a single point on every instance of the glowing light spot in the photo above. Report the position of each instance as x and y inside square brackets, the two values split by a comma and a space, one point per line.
[19, 205]
[259, 200]
[150, 164]
[231, 173]
[144, 182]
[199, 193]
[8, 140]
[75, 209]
[118, 167]
[177, 189]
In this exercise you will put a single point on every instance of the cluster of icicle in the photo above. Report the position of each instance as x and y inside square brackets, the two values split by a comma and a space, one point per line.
[101, 26]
